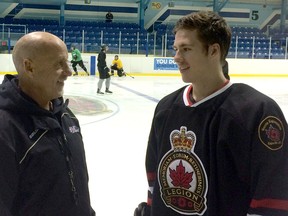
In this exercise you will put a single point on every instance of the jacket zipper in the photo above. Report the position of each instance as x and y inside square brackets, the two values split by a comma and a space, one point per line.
[64, 149]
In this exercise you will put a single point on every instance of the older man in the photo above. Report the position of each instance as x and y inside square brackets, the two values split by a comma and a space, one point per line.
[42, 160]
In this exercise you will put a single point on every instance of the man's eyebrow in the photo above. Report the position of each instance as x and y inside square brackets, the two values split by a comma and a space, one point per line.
[183, 45]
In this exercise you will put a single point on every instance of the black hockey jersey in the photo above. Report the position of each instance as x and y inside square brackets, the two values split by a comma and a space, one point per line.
[224, 155]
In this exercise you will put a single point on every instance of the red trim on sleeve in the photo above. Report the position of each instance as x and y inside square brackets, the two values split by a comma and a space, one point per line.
[270, 203]
[149, 201]
[151, 176]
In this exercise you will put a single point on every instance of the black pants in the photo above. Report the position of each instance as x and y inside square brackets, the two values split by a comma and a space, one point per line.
[103, 72]
[119, 71]
[80, 63]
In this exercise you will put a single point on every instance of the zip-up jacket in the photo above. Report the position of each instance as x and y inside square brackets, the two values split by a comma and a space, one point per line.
[42, 160]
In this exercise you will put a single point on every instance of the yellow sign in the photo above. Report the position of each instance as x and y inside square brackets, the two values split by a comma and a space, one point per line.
[156, 5]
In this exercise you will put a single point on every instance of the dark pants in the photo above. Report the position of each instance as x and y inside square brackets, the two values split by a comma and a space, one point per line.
[80, 63]
[119, 71]
[103, 72]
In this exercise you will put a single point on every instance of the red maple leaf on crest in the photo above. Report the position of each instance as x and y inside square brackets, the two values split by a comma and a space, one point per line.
[181, 178]
[273, 134]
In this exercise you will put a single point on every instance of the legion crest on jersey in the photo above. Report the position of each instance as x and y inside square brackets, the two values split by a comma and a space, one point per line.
[182, 177]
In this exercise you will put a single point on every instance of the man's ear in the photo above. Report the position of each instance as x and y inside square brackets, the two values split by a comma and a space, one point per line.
[28, 67]
[214, 49]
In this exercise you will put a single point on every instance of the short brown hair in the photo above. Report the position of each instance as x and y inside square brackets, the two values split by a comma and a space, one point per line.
[211, 28]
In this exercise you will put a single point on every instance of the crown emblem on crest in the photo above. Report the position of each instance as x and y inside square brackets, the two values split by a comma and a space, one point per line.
[182, 140]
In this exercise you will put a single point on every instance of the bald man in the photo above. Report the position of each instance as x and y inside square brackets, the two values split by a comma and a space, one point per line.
[42, 159]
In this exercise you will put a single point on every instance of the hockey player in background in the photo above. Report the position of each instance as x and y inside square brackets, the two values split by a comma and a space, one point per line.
[77, 60]
[215, 148]
[103, 71]
[118, 66]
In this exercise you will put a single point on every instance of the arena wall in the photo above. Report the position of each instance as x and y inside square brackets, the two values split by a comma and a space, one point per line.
[137, 65]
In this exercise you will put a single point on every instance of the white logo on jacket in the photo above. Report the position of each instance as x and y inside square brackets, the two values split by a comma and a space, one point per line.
[74, 129]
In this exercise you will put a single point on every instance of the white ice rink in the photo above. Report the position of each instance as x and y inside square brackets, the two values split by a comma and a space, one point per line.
[115, 129]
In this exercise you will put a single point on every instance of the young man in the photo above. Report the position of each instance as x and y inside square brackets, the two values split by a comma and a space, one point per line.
[215, 148]
[77, 60]
[117, 65]
[103, 71]
[42, 169]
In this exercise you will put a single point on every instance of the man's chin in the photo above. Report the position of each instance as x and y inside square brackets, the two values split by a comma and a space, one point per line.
[185, 79]
[60, 94]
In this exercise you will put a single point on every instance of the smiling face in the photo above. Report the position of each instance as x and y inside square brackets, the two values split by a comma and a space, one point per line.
[41, 60]
[202, 41]
[190, 55]
[51, 70]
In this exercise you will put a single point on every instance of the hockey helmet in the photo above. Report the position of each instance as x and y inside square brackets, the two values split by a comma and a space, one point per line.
[104, 46]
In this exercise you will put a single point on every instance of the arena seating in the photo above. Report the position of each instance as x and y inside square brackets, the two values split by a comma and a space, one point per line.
[247, 42]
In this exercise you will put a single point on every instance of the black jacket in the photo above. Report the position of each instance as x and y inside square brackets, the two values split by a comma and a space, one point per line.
[42, 160]
[101, 60]
[102, 66]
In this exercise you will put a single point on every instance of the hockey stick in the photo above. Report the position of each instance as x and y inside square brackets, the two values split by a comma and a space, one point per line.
[129, 75]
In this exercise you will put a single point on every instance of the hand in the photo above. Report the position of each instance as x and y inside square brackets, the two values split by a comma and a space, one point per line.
[142, 210]
[106, 69]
